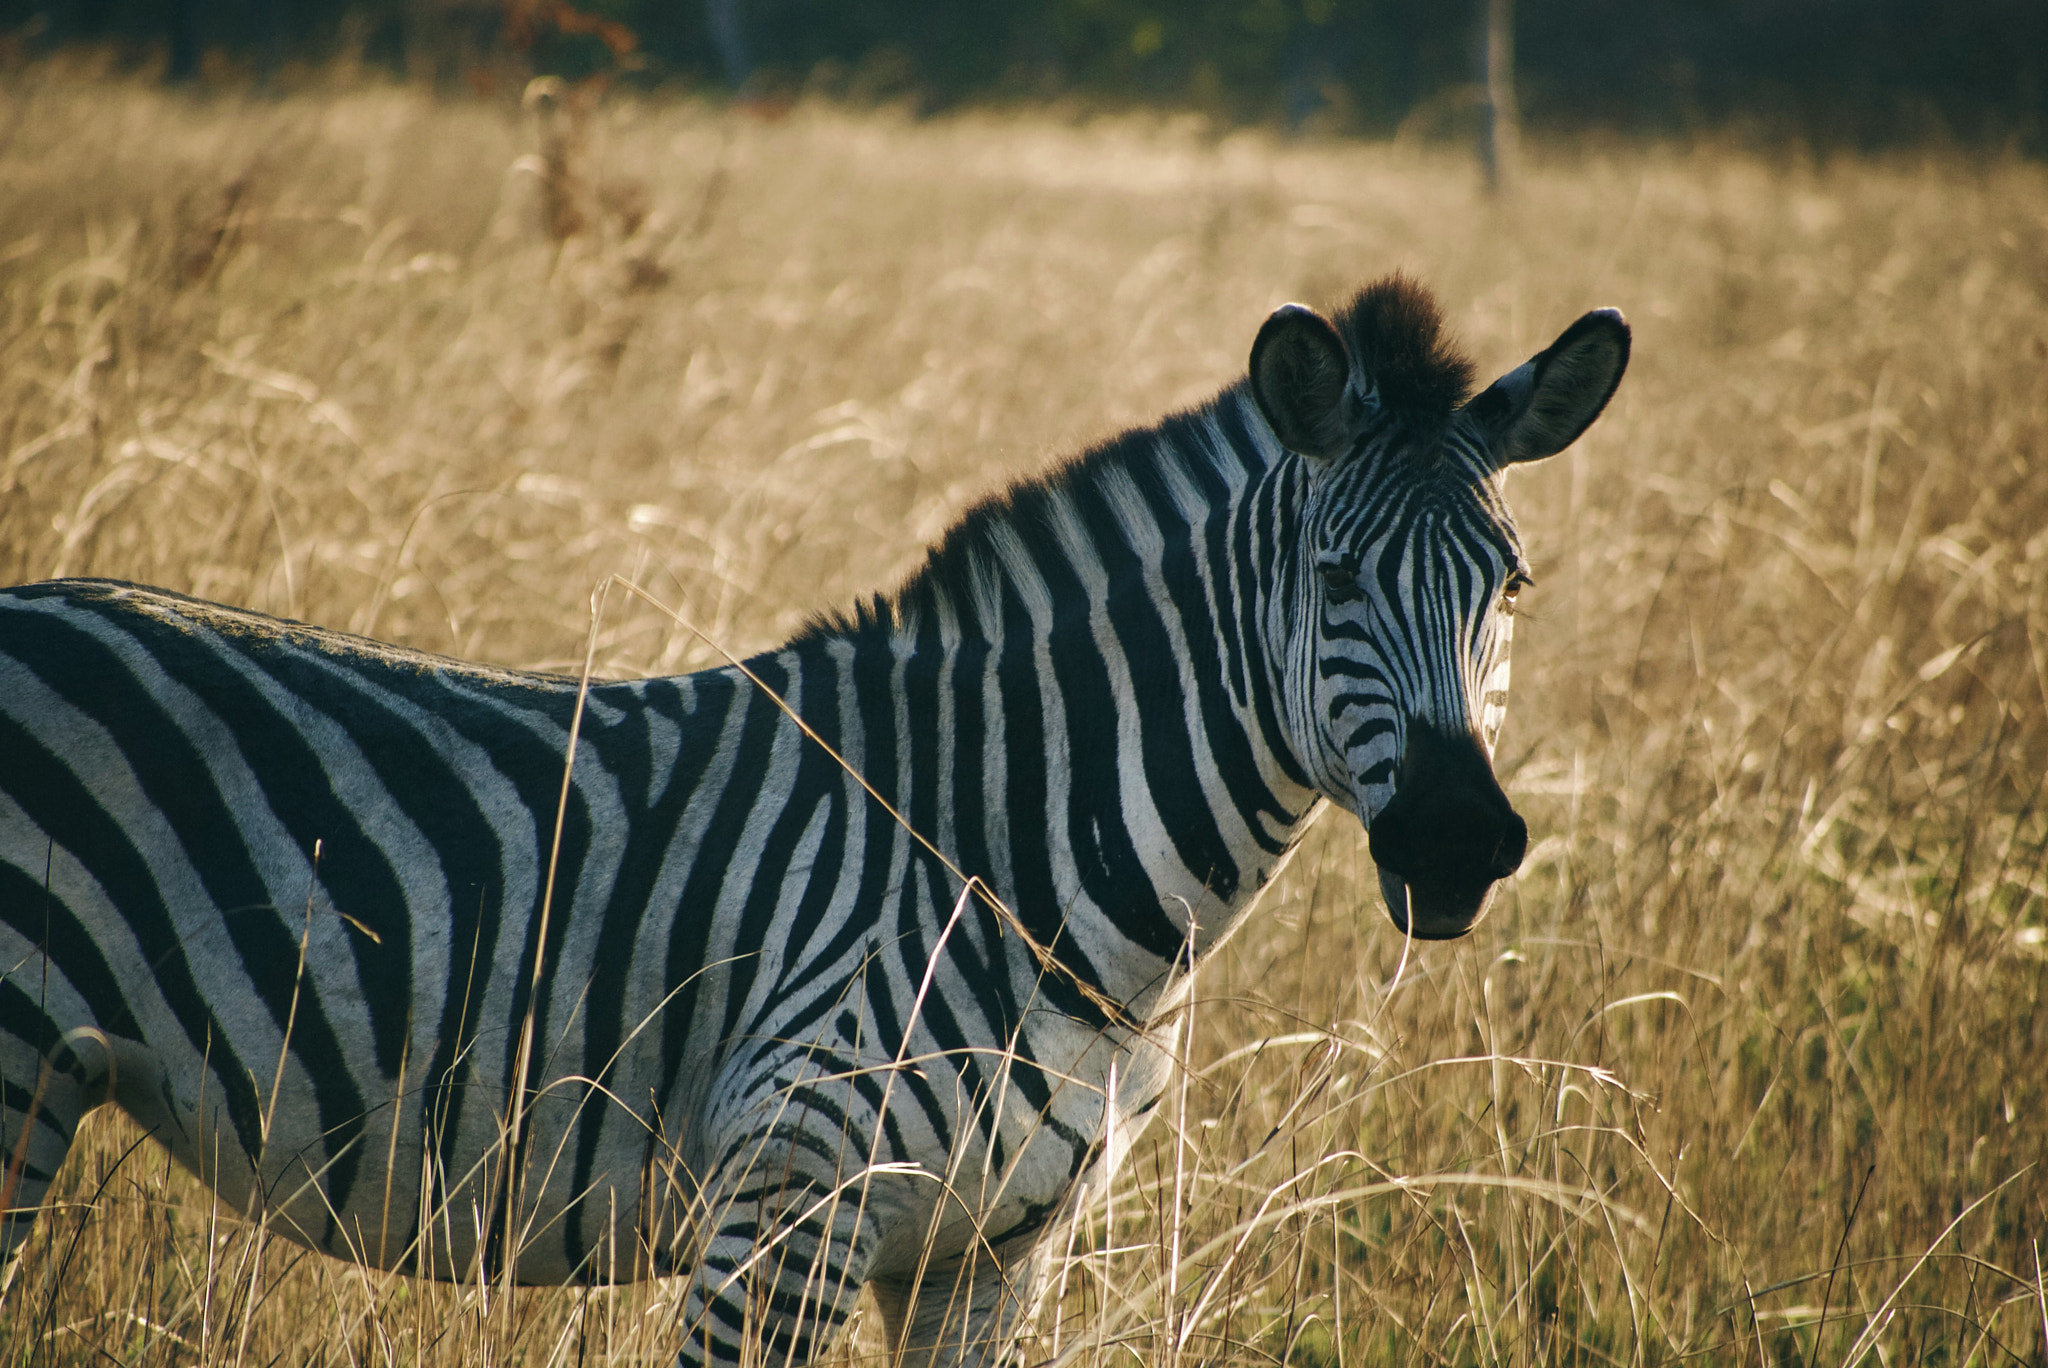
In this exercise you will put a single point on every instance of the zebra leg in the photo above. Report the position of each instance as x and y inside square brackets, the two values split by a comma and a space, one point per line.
[42, 1097]
[779, 1275]
[967, 1312]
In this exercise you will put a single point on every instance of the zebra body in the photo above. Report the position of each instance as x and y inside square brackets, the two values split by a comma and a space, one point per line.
[788, 1007]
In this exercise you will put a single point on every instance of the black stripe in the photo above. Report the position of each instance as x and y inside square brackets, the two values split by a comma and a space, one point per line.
[1186, 591]
[1004, 1015]
[1026, 802]
[816, 782]
[652, 824]
[930, 891]
[874, 664]
[36, 914]
[299, 784]
[21, 1016]
[690, 933]
[489, 718]
[1220, 548]
[1166, 749]
[80, 668]
[1266, 538]
[889, 1035]
[62, 806]
[1111, 874]
[821, 679]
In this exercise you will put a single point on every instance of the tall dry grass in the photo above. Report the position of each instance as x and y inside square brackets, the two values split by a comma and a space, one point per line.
[1747, 1065]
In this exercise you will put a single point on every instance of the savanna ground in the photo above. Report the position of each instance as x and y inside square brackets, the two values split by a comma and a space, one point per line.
[1747, 1064]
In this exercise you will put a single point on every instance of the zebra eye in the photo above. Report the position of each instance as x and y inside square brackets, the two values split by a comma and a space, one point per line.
[1340, 580]
[1517, 582]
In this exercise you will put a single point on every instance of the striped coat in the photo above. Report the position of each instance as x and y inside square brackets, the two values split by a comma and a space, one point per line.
[837, 967]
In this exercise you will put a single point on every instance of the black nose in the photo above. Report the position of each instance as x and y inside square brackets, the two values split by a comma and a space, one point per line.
[1449, 834]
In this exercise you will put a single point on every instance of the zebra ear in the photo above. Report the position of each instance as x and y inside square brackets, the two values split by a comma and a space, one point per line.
[1301, 378]
[1542, 406]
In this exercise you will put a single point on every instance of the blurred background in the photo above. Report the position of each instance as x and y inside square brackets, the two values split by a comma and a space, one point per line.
[1860, 73]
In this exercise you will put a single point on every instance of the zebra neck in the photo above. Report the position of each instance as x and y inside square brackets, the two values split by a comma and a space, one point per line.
[1076, 703]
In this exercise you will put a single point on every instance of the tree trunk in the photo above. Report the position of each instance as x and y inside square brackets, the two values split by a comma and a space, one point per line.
[1500, 127]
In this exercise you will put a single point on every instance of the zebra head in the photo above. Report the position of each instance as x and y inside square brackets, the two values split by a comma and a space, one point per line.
[1398, 590]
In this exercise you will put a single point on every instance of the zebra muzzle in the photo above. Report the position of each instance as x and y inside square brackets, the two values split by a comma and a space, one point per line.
[1447, 838]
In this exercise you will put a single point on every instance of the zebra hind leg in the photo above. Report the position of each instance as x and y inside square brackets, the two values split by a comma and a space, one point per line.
[42, 1097]
[967, 1312]
[778, 1277]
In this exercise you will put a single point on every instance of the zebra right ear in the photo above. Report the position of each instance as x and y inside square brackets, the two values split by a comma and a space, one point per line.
[1301, 378]
[1542, 406]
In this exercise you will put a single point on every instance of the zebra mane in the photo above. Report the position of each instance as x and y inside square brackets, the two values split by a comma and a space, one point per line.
[1396, 335]
[967, 561]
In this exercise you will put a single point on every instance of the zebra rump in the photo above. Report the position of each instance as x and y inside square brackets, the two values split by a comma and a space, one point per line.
[841, 967]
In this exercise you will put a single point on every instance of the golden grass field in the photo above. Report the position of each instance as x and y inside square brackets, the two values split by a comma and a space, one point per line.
[1746, 1066]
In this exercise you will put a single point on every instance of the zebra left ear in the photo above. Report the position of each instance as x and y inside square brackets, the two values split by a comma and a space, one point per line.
[1542, 406]
[1301, 378]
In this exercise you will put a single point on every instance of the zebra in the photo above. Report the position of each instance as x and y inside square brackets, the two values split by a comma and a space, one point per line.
[847, 965]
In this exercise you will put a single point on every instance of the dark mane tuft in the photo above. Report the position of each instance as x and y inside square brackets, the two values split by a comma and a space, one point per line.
[1023, 510]
[1396, 334]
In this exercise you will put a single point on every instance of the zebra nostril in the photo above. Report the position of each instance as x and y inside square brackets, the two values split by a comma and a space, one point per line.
[1512, 846]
